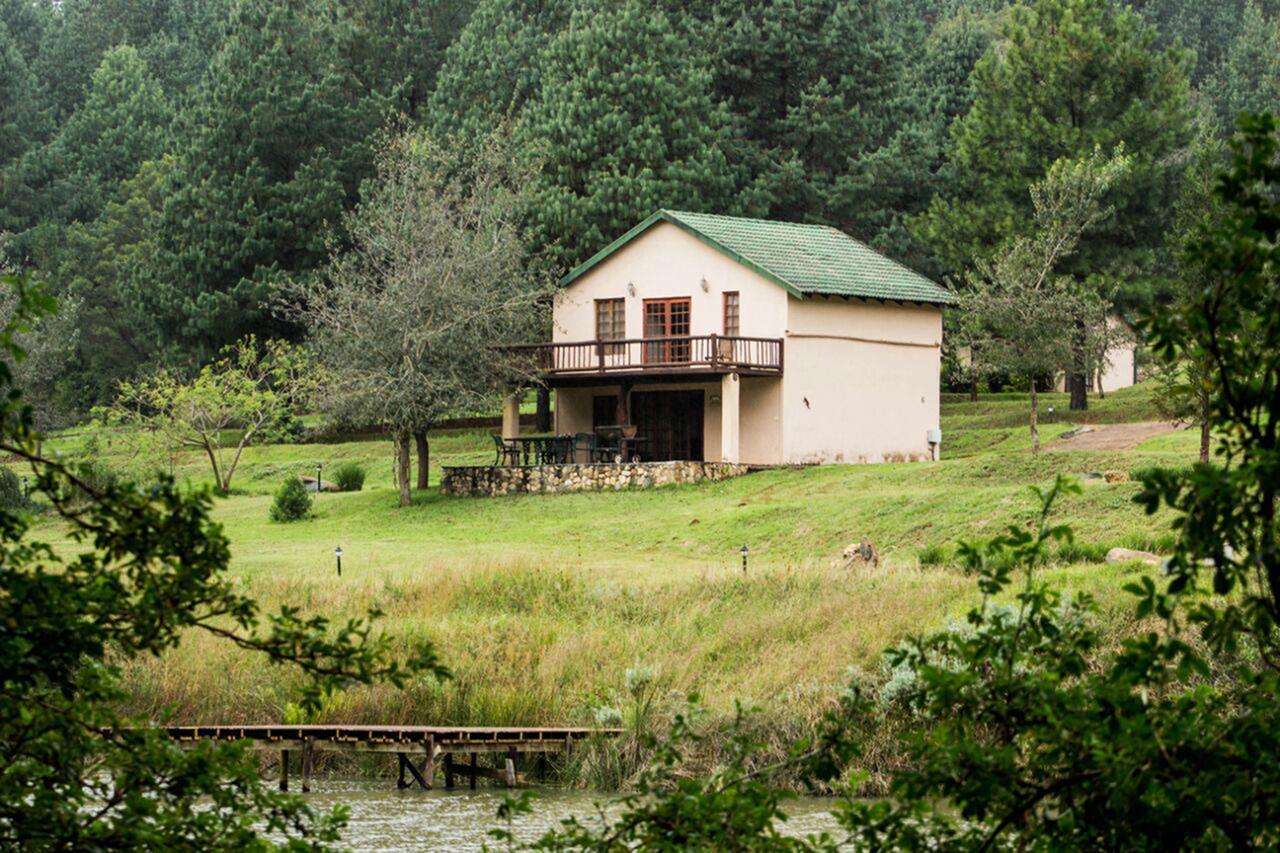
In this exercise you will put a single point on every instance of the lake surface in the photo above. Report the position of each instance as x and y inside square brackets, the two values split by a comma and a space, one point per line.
[383, 818]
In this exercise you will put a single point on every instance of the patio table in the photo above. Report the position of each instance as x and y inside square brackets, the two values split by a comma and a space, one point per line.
[534, 449]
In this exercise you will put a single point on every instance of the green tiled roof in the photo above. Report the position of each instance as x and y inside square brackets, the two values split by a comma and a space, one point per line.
[802, 259]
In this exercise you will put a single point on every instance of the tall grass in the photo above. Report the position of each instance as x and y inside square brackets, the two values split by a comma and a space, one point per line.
[540, 605]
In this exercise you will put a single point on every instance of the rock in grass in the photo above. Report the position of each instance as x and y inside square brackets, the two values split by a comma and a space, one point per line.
[1128, 555]
[861, 552]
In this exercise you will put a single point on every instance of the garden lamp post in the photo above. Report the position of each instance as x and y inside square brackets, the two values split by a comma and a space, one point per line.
[319, 465]
[744, 559]
[26, 490]
[1050, 411]
[337, 553]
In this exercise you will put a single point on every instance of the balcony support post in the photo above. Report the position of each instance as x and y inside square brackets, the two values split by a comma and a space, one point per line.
[730, 414]
[511, 413]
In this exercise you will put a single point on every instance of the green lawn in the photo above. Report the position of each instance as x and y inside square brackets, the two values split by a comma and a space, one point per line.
[539, 603]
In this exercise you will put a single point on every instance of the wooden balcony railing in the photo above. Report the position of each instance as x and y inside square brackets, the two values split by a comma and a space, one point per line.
[696, 353]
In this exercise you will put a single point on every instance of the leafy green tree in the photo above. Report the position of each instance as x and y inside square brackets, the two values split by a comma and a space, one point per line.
[1208, 29]
[1069, 76]
[1019, 312]
[401, 44]
[270, 153]
[175, 38]
[627, 123]
[887, 187]
[1182, 388]
[148, 566]
[409, 323]
[250, 392]
[22, 121]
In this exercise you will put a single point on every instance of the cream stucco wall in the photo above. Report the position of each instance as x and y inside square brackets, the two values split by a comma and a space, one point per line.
[861, 381]
[665, 262]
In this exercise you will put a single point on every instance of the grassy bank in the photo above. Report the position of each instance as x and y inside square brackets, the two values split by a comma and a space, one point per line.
[539, 604]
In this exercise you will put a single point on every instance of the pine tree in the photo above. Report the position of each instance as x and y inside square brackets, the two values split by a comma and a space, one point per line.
[885, 188]
[1248, 80]
[22, 121]
[810, 86]
[1069, 76]
[627, 123]
[491, 71]
[271, 151]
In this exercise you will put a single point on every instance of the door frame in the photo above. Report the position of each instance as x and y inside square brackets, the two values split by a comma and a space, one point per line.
[667, 352]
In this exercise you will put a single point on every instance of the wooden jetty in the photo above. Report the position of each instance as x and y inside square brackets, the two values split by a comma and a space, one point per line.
[419, 749]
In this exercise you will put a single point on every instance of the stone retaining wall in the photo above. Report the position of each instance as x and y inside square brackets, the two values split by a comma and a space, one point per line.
[484, 481]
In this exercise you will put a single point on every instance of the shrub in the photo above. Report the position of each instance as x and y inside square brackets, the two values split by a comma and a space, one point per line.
[292, 501]
[11, 495]
[1074, 551]
[349, 477]
[934, 555]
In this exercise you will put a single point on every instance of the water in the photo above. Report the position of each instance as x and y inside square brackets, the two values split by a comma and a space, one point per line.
[383, 818]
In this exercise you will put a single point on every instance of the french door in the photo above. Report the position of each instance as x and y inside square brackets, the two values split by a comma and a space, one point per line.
[666, 318]
[669, 424]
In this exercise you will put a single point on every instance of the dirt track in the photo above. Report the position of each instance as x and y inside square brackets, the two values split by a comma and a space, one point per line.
[1114, 436]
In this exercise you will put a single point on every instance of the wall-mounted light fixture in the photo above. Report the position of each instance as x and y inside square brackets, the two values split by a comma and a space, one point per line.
[715, 399]
[706, 288]
[631, 289]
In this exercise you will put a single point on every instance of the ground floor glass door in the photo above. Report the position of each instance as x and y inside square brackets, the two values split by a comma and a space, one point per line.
[669, 424]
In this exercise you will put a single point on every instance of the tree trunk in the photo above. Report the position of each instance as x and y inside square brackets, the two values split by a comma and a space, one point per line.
[1204, 441]
[973, 390]
[1035, 422]
[424, 459]
[1077, 384]
[1097, 386]
[543, 417]
[402, 466]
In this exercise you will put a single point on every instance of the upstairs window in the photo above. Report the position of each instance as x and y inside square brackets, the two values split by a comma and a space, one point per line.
[611, 323]
[732, 328]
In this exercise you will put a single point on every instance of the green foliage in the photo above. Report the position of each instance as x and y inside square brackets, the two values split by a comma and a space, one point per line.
[248, 393]
[1249, 77]
[407, 322]
[349, 476]
[12, 495]
[1025, 730]
[272, 149]
[1020, 314]
[1069, 76]
[147, 569]
[292, 501]
[934, 555]
[734, 808]
[627, 124]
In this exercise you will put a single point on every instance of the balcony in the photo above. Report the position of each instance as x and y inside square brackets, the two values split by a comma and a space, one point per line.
[672, 357]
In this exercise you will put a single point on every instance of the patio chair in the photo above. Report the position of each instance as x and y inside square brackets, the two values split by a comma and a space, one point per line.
[550, 450]
[505, 452]
[583, 442]
[607, 449]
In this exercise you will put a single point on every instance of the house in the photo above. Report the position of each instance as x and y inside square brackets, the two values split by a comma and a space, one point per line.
[1120, 365]
[722, 339]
